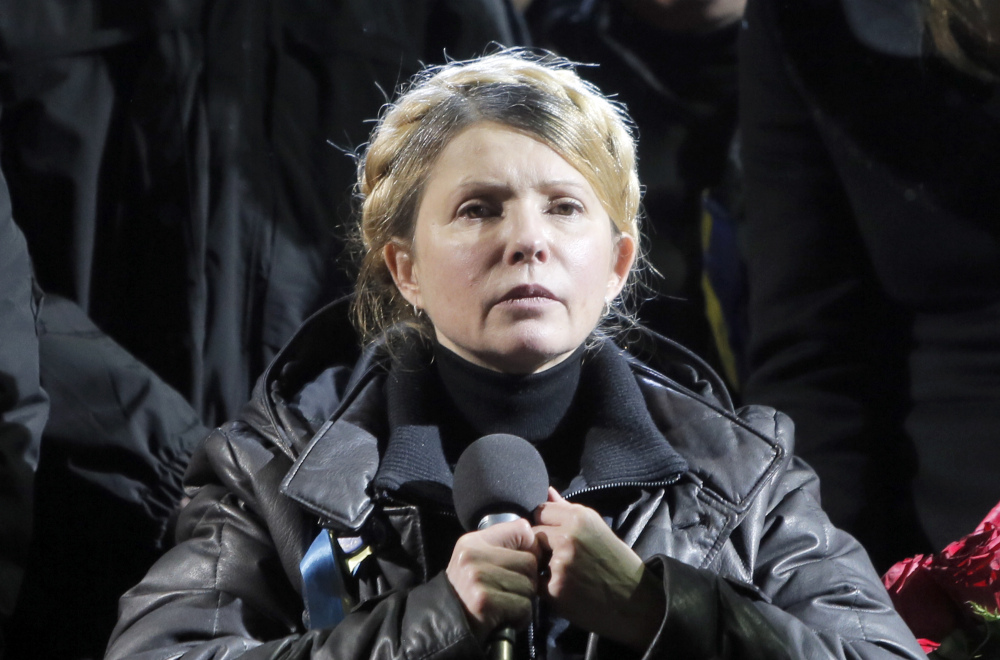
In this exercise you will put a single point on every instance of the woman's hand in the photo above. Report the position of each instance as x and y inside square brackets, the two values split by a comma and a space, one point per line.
[596, 581]
[495, 573]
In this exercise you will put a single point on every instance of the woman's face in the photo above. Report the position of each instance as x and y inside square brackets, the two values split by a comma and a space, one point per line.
[513, 255]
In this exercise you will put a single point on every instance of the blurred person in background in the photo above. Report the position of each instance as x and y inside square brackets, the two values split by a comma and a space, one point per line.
[23, 408]
[871, 145]
[182, 170]
[673, 63]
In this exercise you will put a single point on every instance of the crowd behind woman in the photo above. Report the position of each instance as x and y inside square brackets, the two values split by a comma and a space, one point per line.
[870, 240]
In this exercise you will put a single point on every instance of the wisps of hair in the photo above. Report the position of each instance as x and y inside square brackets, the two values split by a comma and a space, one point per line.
[966, 33]
[539, 94]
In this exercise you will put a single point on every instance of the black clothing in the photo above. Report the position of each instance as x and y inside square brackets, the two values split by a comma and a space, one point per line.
[535, 407]
[23, 407]
[108, 484]
[183, 170]
[874, 259]
[419, 458]
[751, 567]
[607, 433]
[529, 406]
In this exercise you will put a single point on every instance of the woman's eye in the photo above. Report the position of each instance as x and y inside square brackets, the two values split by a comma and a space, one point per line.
[566, 207]
[476, 210]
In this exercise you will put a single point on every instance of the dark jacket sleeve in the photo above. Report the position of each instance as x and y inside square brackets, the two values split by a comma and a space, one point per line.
[819, 320]
[116, 443]
[814, 593]
[23, 404]
[821, 599]
[228, 591]
[823, 593]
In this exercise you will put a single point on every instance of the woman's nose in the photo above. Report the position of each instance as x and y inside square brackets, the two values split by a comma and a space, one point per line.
[527, 241]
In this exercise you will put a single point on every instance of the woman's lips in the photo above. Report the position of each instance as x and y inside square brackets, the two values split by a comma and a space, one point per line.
[527, 294]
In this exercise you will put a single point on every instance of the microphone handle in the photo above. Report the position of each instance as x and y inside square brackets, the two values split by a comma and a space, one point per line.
[502, 644]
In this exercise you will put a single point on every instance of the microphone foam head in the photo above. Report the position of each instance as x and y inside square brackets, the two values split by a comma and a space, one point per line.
[498, 473]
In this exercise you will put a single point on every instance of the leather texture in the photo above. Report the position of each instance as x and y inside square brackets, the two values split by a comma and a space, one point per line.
[751, 566]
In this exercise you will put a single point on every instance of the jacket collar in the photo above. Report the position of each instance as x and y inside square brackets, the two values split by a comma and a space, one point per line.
[332, 477]
[326, 338]
[621, 443]
[731, 456]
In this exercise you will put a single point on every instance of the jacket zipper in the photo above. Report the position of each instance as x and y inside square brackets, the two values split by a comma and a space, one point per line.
[625, 484]
[383, 497]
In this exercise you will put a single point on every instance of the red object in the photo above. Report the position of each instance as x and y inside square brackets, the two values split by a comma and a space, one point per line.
[971, 567]
[932, 592]
[927, 608]
[927, 645]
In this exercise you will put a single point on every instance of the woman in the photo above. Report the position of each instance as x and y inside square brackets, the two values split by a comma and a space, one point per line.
[499, 225]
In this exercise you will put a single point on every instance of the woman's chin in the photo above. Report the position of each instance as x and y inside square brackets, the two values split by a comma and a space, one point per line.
[522, 347]
[528, 357]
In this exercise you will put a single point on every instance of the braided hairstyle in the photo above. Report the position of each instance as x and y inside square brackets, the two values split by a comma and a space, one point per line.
[539, 95]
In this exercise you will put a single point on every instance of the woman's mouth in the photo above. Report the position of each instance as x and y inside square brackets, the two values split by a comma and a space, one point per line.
[527, 294]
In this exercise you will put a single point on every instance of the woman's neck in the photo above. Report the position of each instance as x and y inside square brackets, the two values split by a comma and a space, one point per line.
[530, 406]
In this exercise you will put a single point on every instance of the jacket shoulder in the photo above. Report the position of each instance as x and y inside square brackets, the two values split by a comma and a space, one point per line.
[307, 380]
[734, 453]
[665, 360]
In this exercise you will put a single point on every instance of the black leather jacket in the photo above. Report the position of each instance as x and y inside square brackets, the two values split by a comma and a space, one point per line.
[751, 567]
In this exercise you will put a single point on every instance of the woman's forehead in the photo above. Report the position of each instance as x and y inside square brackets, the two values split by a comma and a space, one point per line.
[484, 153]
[488, 154]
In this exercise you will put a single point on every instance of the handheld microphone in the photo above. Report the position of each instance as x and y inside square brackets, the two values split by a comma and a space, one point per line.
[499, 478]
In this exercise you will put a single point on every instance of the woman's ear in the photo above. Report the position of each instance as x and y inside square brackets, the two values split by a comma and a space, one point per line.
[624, 259]
[399, 260]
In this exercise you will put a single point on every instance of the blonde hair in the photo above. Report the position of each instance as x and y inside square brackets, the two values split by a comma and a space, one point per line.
[541, 96]
[966, 33]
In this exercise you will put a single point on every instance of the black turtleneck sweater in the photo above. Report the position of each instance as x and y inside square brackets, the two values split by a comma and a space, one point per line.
[586, 416]
[473, 401]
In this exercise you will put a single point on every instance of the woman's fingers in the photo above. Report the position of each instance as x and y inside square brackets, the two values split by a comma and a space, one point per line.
[594, 579]
[493, 568]
[494, 605]
[516, 535]
[494, 572]
[585, 554]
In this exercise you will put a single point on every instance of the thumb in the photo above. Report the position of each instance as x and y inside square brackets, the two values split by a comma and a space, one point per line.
[515, 535]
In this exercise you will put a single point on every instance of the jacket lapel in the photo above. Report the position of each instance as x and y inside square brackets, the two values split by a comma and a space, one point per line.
[730, 458]
[332, 475]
